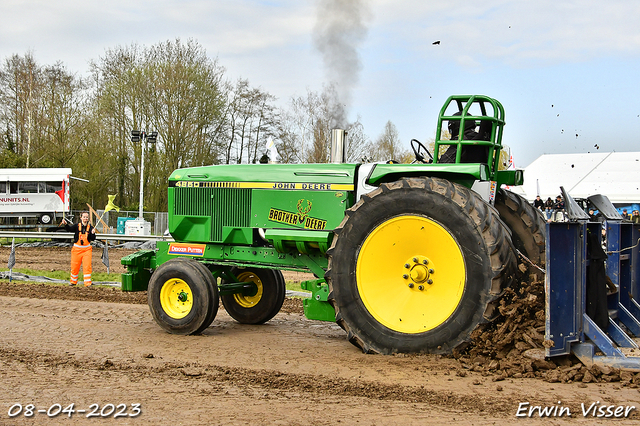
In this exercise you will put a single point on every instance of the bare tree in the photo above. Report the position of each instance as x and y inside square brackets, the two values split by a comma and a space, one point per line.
[358, 144]
[41, 113]
[306, 134]
[64, 100]
[388, 146]
[250, 118]
[319, 152]
[20, 88]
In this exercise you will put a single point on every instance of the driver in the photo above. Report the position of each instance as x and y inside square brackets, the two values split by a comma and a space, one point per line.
[470, 154]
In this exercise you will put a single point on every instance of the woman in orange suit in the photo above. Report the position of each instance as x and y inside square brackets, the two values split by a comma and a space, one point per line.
[83, 234]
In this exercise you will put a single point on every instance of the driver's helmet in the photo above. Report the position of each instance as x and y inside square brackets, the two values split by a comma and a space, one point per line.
[454, 126]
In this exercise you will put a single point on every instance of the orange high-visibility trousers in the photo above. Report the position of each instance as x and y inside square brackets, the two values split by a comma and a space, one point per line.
[81, 255]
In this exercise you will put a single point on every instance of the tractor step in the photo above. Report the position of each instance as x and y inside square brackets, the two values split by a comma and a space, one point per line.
[317, 307]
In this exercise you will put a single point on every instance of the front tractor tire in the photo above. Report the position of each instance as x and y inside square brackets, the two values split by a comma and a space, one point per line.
[416, 266]
[182, 296]
[264, 303]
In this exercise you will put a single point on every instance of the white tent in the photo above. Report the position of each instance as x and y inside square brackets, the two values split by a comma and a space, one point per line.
[614, 174]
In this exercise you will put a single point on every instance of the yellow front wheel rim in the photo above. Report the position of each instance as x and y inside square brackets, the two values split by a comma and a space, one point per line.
[249, 301]
[176, 298]
[410, 274]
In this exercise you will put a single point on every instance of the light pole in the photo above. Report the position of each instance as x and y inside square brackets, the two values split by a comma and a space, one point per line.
[151, 137]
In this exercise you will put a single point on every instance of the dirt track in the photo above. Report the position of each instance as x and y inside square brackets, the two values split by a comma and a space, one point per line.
[62, 345]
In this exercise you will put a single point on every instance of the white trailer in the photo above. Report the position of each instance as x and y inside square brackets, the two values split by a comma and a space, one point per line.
[40, 193]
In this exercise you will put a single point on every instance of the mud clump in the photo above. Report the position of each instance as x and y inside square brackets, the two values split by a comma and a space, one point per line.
[499, 348]
[292, 306]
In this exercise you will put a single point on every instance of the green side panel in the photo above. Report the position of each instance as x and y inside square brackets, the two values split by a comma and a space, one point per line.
[230, 208]
[464, 174]
[300, 209]
[189, 215]
[138, 273]
[202, 214]
[223, 203]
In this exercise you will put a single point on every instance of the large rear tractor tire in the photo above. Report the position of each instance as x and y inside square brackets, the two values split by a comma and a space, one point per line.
[182, 297]
[416, 266]
[527, 225]
[261, 306]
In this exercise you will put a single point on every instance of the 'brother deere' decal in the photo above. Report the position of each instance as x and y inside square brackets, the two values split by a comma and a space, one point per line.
[300, 218]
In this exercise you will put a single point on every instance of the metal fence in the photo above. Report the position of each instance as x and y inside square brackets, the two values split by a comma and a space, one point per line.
[159, 220]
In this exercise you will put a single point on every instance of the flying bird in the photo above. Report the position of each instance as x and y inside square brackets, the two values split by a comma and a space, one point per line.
[436, 42]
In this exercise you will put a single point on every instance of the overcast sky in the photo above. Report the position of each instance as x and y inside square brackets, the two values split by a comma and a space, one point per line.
[565, 71]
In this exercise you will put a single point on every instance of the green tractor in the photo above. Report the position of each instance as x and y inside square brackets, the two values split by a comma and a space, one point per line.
[408, 257]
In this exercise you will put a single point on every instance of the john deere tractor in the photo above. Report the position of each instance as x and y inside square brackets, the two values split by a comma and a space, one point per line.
[408, 257]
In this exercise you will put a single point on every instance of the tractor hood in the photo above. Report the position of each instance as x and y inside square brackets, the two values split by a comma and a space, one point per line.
[226, 203]
[327, 177]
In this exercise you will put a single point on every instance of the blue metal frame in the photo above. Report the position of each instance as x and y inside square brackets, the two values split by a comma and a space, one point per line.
[565, 283]
[627, 266]
[567, 324]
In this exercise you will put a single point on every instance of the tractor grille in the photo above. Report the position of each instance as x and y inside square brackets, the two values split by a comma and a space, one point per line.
[226, 207]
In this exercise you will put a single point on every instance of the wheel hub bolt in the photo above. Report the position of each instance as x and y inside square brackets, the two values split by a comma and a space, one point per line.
[431, 271]
[425, 262]
[410, 285]
[429, 281]
[415, 259]
[420, 287]
[405, 276]
[406, 265]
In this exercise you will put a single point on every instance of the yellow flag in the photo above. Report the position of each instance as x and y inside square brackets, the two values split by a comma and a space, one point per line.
[110, 205]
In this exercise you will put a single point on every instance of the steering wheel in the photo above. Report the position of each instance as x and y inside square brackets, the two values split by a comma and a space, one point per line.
[417, 148]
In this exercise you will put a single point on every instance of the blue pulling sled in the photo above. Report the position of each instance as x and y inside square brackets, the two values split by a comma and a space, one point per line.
[609, 336]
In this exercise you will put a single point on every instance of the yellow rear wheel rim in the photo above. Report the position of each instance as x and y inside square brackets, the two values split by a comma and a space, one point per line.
[249, 301]
[176, 298]
[410, 274]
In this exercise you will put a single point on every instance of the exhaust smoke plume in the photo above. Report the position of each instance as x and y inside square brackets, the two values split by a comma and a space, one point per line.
[339, 30]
